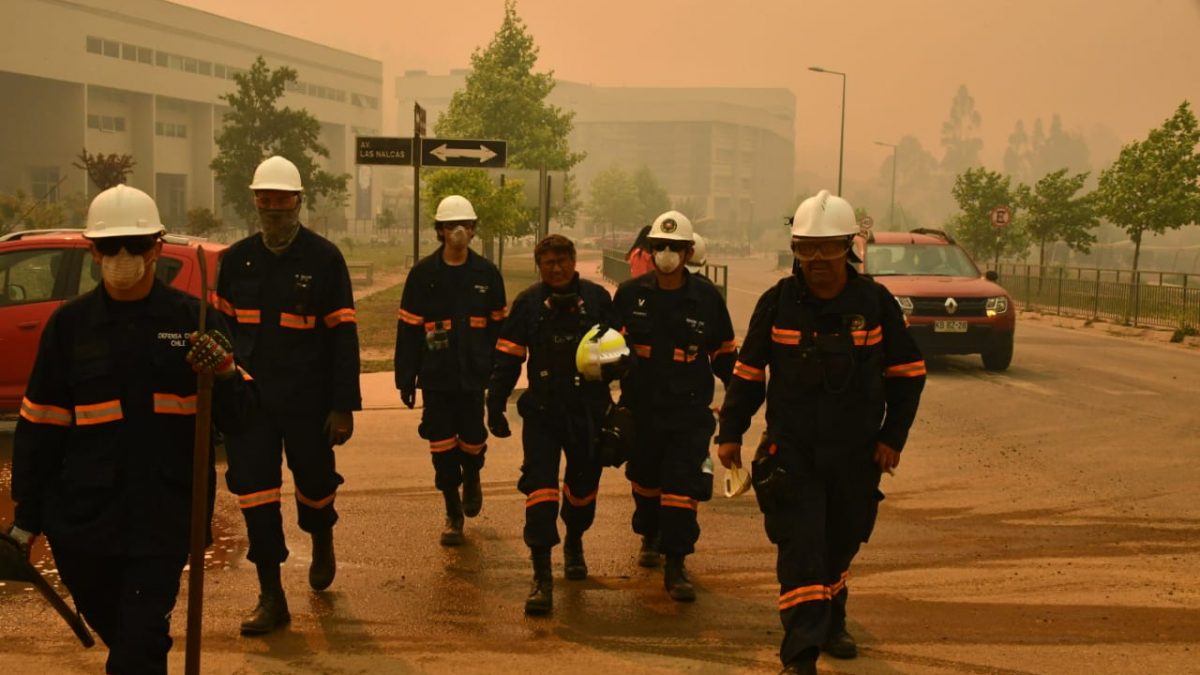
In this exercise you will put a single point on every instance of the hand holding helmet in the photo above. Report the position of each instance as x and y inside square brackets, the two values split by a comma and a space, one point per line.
[602, 354]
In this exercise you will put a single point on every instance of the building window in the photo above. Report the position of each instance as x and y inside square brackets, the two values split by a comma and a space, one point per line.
[218, 70]
[112, 49]
[44, 182]
[129, 52]
[106, 123]
[174, 62]
[170, 129]
[94, 45]
[145, 55]
[190, 65]
[160, 58]
[205, 67]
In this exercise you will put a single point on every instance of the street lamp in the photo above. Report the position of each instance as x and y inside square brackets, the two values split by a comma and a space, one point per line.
[892, 210]
[842, 142]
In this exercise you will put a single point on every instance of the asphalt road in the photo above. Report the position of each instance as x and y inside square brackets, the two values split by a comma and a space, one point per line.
[1042, 520]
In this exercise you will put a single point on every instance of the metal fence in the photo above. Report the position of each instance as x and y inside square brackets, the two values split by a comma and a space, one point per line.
[1143, 298]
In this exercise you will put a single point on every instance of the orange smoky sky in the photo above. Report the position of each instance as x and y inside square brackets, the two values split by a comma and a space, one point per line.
[1112, 69]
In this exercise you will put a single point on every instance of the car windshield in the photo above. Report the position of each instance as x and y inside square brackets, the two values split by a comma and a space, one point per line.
[937, 260]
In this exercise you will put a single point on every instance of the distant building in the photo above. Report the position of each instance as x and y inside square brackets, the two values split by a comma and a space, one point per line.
[728, 153]
[143, 77]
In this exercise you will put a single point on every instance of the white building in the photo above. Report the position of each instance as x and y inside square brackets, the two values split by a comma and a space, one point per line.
[726, 152]
[144, 77]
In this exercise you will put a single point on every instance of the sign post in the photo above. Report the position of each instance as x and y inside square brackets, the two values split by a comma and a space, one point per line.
[418, 132]
[1001, 217]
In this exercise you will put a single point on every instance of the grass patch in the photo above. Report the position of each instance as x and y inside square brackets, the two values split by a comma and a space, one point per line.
[377, 319]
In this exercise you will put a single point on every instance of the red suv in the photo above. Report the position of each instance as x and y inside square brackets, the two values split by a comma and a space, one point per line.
[951, 307]
[39, 270]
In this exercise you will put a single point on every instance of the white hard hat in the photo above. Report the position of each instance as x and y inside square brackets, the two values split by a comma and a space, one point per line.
[699, 251]
[671, 225]
[277, 173]
[122, 211]
[598, 349]
[824, 215]
[454, 208]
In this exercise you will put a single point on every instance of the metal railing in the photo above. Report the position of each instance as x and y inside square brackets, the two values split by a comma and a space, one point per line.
[1142, 298]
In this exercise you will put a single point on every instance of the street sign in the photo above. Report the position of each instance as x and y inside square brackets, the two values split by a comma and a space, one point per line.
[383, 150]
[1001, 216]
[866, 223]
[463, 152]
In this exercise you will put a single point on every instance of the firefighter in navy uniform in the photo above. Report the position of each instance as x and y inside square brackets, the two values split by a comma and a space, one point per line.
[562, 409]
[287, 290]
[845, 382]
[450, 314]
[678, 327]
[102, 454]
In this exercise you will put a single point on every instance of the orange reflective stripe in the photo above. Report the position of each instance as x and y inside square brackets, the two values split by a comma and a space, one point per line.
[678, 501]
[478, 321]
[340, 316]
[245, 375]
[248, 316]
[443, 445]
[645, 491]
[409, 318]
[541, 496]
[471, 448]
[444, 324]
[914, 369]
[749, 372]
[98, 413]
[171, 404]
[727, 347]
[682, 356]
[297, 321]
[866, 338]
[223, 306]
[315, 503]
[839, 584]
[39, 413]
[785, 336]
[499, 314]
[642, 351]
[260, 498]
[510, 347]
[803, 594]
[578, 501]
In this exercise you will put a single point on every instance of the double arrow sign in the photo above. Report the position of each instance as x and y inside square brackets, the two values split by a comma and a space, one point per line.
[434, 151]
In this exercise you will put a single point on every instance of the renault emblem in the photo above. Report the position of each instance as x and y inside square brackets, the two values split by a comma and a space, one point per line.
[951, 305]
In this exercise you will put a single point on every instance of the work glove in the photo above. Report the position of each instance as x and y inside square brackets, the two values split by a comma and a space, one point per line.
[211, 352]
[339, 426]
[497, 423]
[408, 396]
[24, 538]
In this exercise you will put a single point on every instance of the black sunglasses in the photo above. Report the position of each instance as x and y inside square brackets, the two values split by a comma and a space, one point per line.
[676, 246]
[136, 245]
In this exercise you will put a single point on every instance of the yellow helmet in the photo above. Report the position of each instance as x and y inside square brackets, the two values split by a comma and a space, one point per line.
[598, 349]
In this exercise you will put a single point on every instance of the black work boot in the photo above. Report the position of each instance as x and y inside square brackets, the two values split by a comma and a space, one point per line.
[324, 564]
[452, 535]
[649, 555]
[271, 612]
[840, 644]
[541, 596]
[675, 580]
[801, 666]
[472, 493]
[574, 566]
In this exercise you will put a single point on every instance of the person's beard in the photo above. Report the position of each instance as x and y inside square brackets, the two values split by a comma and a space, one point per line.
[279, 226]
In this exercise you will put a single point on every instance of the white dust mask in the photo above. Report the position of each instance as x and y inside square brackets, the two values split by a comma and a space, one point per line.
[667, 261]
[123, 270]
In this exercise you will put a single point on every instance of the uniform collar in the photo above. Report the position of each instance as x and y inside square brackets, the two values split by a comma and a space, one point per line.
[101, 307]
[294, 250]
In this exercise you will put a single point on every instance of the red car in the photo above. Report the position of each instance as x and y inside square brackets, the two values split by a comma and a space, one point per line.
[39, 270]
[952, 307]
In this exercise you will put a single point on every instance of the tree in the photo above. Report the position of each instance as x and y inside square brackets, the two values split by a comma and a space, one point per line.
[503, 98]
[105, 170]
[920, 183]
[1054, 213]
[960, 133]
[255, 128]
[614, 203]
[1016, 156]
[1152, 186]
[652, 196]
[500, 209]
[977, 192]
[201, 221]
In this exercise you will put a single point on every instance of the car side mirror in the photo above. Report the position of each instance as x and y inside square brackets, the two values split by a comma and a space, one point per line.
[991, 275]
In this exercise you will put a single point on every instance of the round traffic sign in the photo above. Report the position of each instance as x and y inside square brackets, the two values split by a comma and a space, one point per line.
[1001, 216]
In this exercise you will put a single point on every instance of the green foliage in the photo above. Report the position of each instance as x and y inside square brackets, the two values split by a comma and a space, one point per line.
[1030, 156]
[501, 210]
[1152, 186]
[1054, 213]
[387, 219]
[960, 133]
[622, 201]
[567, 214]
[256, 128]
[106, 171]
[1184, 331]
[19, 211]
[201, 221]
[977, 192]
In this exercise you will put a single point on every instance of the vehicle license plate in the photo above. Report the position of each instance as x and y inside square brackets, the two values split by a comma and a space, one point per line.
[949, 326]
